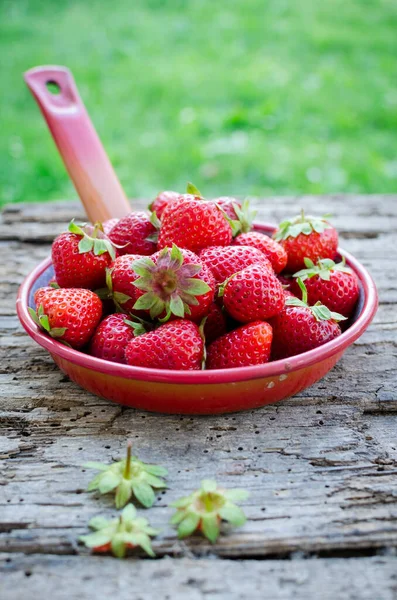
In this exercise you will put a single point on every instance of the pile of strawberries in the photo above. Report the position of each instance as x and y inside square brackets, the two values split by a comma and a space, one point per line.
[190, 285]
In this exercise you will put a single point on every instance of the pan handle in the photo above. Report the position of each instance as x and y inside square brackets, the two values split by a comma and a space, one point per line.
[78, 143]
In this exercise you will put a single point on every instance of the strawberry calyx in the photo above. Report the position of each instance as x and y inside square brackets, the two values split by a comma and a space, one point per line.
[221, 287]
[170, 285]
[191, 189]
[93, 239]
[245, 217]
[42, 320]
[235, 224]
[107, 292]
[117, 535]
[202, 335]
[155, 221]
[319, 311]
[323, 269]
[206, 507]
[305, 224]
[139, 326]
[128, 477]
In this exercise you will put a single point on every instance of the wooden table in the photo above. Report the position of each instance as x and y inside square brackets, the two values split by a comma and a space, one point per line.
[321, 467]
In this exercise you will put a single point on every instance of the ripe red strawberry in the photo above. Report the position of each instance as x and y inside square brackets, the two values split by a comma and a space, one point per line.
[175, 345]
[68, 314]
[191, 222]
[229, 206]
[40, 293]
[273, 251]
[173, 282]
[240, 214]
[300, 327]
[108, 225]
[306, 237]
[225, 262]
[332, 284]
[119, 280]
[135, 234]
[112, 336]
[161, 202]
[215, 324]
[252, 294]
[248, 345]
[80, 257]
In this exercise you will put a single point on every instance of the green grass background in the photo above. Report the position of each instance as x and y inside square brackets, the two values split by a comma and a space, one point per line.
[240, 96]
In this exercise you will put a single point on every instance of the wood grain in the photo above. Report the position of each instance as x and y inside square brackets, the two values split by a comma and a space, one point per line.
[321, 467]
[39, 577]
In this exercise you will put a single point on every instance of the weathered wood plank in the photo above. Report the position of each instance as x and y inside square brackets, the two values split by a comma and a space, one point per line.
[81, 578]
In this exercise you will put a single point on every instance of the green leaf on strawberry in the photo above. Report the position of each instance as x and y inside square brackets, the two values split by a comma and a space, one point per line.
[191, 189]
[170, 284]
[205, 508]
[128, 477]
[305, 224]
[319, 311]
[120, 534]
[323, 269]
[155, 221]
[245, 217]
[41, 319]
[92, 239]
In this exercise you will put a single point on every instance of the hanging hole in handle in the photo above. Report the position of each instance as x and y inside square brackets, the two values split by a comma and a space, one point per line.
[53, 87]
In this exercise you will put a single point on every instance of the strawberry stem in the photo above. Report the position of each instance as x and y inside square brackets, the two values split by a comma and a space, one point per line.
[127, 469]
[303, 290]
[208, 502]
[97, 228]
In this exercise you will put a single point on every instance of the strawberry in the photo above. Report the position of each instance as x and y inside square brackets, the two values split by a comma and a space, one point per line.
[253, 294]
[247, 345]
[241, 215]
[205, 508]
[119, 281]
[108, 225]
[229, 206]
[68, 314]
[193, 223]
[328, 283]
[161, 202]
[306, 236]
[80, 257]
[173, 282]
[119, 534]
[273, 251]
[112, 336]
[215, 323]
[300, 327]
[40, 294]
[135, 234]
[175, 345]
[225, 262]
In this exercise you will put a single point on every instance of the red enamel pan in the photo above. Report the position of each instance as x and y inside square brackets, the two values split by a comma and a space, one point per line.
[183, 392]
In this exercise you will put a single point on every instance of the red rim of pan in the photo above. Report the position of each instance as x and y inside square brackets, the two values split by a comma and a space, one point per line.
[221, 376]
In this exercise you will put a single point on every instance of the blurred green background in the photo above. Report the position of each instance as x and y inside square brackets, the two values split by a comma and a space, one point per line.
[239, 96]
